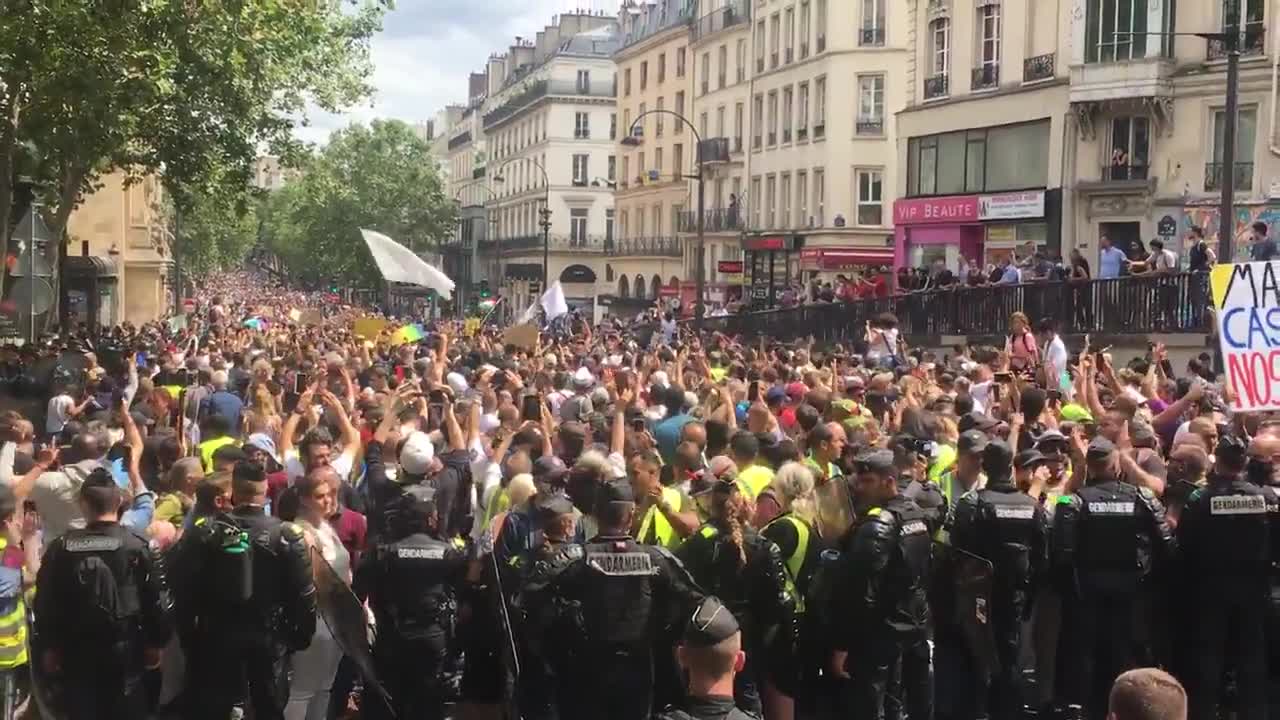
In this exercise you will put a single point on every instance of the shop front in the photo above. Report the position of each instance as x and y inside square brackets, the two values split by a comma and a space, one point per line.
[985, 229]
[771, 264]
[824, 263]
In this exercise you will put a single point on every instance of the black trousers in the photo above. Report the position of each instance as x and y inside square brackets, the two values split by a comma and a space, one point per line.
[890, 676]
[233, 670]
[1230, 632]
[103, 685]
[616, 685]
[1100, 642]
[412, 671]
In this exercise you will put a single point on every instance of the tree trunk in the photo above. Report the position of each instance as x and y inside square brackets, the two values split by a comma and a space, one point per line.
[71, 185]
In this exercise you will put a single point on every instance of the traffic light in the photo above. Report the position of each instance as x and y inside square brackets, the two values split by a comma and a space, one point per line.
[484, 289]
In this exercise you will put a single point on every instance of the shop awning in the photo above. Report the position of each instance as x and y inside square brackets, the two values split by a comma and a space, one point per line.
[831, 258]
[524, 271]
[88, 266]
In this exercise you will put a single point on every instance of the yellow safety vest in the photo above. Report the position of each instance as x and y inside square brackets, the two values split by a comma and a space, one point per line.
[945, 461]
[499, 502]
[662, 530]
[754, 480]
[13, 630]
[795, 563]
[209, 447]
[173, 390]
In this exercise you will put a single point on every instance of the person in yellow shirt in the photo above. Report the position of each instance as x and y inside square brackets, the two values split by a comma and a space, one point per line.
[753, 474]
[664, 515]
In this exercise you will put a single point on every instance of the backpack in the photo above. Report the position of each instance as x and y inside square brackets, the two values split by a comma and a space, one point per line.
[101, 593]
[229, 578]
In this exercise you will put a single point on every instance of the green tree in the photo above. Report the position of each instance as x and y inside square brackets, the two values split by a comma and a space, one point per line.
[190, 90]
[215, 233]
[381, 177]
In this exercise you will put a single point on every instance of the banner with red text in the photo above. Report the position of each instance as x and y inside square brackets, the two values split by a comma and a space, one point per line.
[1246, 297]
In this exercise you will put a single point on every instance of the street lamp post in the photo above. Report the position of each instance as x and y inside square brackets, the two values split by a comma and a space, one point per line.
[634, 135]
[471, 266]
[544, 213]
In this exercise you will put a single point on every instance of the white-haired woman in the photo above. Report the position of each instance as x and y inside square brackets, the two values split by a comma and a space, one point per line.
[796, 535]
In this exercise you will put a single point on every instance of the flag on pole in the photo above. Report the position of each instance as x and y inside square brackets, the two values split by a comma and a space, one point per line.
[553, 302]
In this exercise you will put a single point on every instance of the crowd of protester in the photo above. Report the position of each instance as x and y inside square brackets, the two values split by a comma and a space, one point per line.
[828, 496]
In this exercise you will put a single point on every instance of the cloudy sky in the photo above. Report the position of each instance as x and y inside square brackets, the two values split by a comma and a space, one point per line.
[427, 48]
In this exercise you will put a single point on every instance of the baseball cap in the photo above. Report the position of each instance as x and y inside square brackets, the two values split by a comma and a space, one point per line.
[977, 421]
[972, 441]
[711, 624]
[876, 461]
[417, 498]
[263, 442]
[549, 468]
[583, 378]
[796, 391]
[1027, 459]
[1049, 437]
[616, 491]
[416, 454]
[997, 459]
[553, 503]
[1100, 449]
[1075, 413]
[775, 395]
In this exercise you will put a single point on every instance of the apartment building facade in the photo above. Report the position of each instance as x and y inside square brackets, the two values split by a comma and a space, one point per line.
[720, 52]
[982, 140]
[1148, 119]
[655, 151]
[826, 78]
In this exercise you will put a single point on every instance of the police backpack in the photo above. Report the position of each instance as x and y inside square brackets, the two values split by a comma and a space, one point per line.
[100, 593]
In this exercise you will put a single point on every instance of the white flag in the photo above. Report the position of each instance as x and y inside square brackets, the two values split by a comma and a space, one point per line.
[397, 263]
[529, 313]
[553, 302]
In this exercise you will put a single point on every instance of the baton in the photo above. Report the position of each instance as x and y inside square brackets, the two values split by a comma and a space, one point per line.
[511, 638]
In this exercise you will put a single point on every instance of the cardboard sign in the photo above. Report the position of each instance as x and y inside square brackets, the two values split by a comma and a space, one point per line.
[368, 327]
[295, 314]
[471, 327]
[524, 337]
[311, 317]
[1247, 299]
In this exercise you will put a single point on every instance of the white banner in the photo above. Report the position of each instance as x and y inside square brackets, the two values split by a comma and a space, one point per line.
[1011, 206]
[397, 263]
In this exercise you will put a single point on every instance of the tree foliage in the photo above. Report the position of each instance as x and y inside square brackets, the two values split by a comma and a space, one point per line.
[381, 177]
[191, 89]
[215, 233]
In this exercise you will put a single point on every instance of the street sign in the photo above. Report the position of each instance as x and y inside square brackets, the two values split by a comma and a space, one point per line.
[1167, 227]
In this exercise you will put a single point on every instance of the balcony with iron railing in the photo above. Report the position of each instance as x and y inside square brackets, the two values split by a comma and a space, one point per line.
[1242, 176]
[1125, 172]
[1040, 67]
[871, 37]
[986, 77]
[1252, 42]
[556, 243]
[644, 247]
[870, 126]
[717, 220]
[936, 87]
[459, 140]
[541, 89]
[734, 13]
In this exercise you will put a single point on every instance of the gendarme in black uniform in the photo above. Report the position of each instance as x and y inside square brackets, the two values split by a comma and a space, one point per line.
[598, 610]
[882, 611]
[1108, 539]
[1224, 539]
[246, 599]
[1009, 529]
[101, 602]
[412, 583]
[709, 695]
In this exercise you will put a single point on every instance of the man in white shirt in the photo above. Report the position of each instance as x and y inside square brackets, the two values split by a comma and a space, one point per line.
[1055, 358]
[62, 409]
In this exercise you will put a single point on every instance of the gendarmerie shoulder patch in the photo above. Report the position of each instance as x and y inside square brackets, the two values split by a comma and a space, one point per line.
[420, 553]
[1015, 512]
[622, 564]
[92, 543]
[1237, 505]
[1111, 507]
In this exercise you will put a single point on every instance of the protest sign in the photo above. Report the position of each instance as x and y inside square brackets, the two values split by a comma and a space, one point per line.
[311, 317]
[471, 327]
[368, 327]
[1246, 297]
[522, 336]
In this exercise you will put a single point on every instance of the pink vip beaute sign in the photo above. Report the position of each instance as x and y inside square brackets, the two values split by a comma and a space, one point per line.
[922, 211]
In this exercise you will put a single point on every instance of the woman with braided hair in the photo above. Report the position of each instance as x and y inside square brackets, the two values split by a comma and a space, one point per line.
[730, 560]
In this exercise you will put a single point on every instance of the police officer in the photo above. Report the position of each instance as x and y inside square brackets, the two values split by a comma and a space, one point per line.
[245, 598]
[598, 611]
[1011, 530]
[1225, 544]
[102, 609]
[1108, 538]
[883, 613]
[412, 583]
[911, 456]
[711, 654]
[729, 559]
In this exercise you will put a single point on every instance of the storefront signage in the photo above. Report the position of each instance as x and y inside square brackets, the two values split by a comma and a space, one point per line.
[844, 258]
[921, 211]
[1248, 311]
[730, 267]
[1011, 206]
[769, 242]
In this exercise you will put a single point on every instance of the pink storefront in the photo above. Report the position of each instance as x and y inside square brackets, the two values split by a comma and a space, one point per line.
[981, 228]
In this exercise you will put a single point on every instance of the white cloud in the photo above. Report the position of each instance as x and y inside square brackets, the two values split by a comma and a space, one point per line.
[427, 48]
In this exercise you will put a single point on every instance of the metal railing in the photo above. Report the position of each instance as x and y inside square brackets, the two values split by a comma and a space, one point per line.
[713, 220]
[870, 126]
[562, 243]
[1039, 67]
[540, 89]
[458, 141]
[936, 87]
[1113, 173]
[1124, 306]
[985, 77]
[1252, 42]
[644, 247]
[734, 13]
[1242, 175]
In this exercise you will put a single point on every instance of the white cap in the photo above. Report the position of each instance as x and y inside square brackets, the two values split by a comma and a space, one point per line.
[417, 453]
[584, 377]
[456, 382]
[659, 378]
